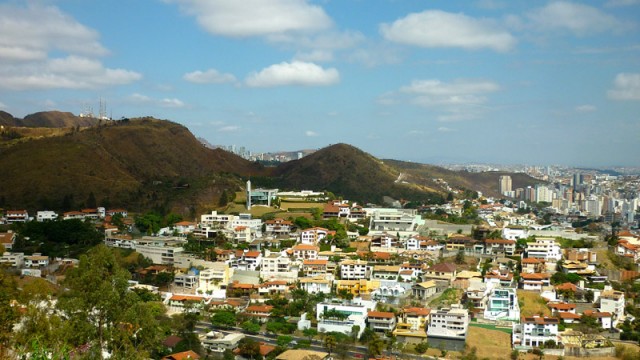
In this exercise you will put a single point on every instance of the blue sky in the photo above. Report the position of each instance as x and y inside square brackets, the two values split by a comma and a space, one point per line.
[491, 81]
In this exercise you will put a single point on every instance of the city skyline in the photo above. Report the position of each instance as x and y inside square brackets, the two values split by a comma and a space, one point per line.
[489, 81]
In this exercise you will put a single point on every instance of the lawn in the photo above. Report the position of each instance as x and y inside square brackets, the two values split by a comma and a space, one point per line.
[492, 327]
[448, 297]
[492, 344]
[286, 205]
[531, 303]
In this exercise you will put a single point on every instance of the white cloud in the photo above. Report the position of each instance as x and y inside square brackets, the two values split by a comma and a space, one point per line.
[314, 56]
[435, 28]
[445, 129]
[452, 101]
[30, 34]
[577, 18]
[256, 17]
[139, 98]
[2, 105]
[626, 87]
[211, 76]
[586, 108]
[172, 103]
[311, 133]
[293, 73]
[229, 128]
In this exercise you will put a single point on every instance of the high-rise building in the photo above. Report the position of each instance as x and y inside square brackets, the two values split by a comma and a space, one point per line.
[504, 184]
[576, 180]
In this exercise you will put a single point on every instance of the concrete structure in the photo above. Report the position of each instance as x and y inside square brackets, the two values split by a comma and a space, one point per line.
[504, 184]
[502, 304]
[394, 219]
[341, 317]
[448, 327]
[218, 342]
[544, 248]
[612, 301]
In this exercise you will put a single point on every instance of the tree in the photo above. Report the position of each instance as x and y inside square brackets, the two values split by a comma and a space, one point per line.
[8, 313]
[460, 256]
[224, 319]
[284, 340]
[515, 354]
[250, 327]
[310, 333]
[330, 343]
[375, 346]
[422, 347]
[91, 201]
[249, 348]
[100, 310]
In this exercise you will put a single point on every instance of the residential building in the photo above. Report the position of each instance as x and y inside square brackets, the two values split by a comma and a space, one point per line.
[418, 242]
[416, 317]
[315, 267]
[514, 232]
[605, 319]
[443, 271]
[395, 220]
[313, 235]
[214, 278]
[7, 240]
[259, 312]
[385, 272]
[381, 322]
[303, 354]
[188, 280]
[424, 290]
[535, 281]
[185, 355]
[305, 251]
[449, 324]
[15, 260]
[534, 331]
[341, 317]
[500, 247]
[278, 226]
[504, 184]
[16, 216]
[218, 342]
[316, 285]
[385, 241]
[273, 287]
[354, 270]
[46, 215]
[544, 248]
[502, 304]
[36, 260]
[158, 253]
[248, 260]
[612, 301]
[278, 266]
[357, 287]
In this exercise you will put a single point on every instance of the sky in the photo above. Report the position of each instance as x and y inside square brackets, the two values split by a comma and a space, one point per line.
[487, 81]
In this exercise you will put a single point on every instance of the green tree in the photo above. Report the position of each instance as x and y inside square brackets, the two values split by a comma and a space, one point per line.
[515, 354]
[375, 346]
[310, 333]
[250, 327]
[422, 347]
[101, 311]
[284, 340]
[460, 256]
[330, 343]
[224, 319]
[8, 313]
[249, 348]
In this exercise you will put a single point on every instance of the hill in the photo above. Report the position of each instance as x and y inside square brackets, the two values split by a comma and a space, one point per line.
[351, 173]
[139, 163]
[47, 119]
[486, 182]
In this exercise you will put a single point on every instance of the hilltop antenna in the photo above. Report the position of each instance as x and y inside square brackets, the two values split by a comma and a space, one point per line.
[103, 110]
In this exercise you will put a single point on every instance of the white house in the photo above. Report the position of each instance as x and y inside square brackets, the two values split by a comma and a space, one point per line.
[305, 252]
[341, 317]
[449, 323]
[46, 215]
[514, 233]
[313, 235]
[534, 331]
[502, 304]
[354, 270]
[544, 248]
[612, 301]
[316, 285]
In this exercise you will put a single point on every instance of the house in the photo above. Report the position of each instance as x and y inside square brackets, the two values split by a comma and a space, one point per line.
[477, 293]
[178, 303]
[214, 278]
[259, 312]
[186, 281]
[416, 317]
[514, 233]
[278, 266]
[534, 331]
[7, 239]
[15, 260]
[386, 241]
[72, 215]
[219, 342]
[354, 270]
[533, 265]
[612, 301]
[628, 250]
[313, 235]
[278, 227]
[605, 319]
[341, 317]
[544, 248]
[123, 212]
[535, 281]
[357, 287]
[424, 290]
[305, 251]
[316, 285]
[381, 321]
[500, 247]
[385, 272]
[464, 243]
[36, 261]
[502, 304]
[395, 220]
[185, 355]
[248, 260]
[443, 271]
[273, 287]
[503, 278]
[418, 242]
[16, 216]
[450, 324]
[314, 267]
[558, 307]
[46, 215]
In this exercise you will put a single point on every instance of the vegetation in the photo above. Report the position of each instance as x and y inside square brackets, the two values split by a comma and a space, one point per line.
[60, 238]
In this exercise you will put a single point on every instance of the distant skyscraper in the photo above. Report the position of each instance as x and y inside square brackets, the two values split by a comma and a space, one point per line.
[248, 194]
[577, 180]
[504, 184]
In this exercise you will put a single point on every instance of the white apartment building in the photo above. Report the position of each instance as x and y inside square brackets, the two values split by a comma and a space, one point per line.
[422, 243]
[313, 235]
[46, 215]
[214, 278]
[535, 330]
[316, 285]
[394, 219]
[15, 216]
[245, 220]
[381, 322]
[449, 323]
[514, 233]
[544, 248]
[36, 260]
[613, 302]
[341, 317]
[305, 252]
[10, 259]
[250, 260]
[215, 220]
[354, 270]
[278, 266]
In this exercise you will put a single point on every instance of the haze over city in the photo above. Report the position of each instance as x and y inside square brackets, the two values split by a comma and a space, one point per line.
[475, 81]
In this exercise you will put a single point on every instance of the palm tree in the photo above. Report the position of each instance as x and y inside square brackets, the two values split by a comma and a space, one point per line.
[330, 343]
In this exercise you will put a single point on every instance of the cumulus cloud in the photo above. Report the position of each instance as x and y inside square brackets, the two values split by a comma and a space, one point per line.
[141, 99]
[28, 36]
[256, 17]
[314, 56]
[211, 76]
[293, 73]
[435, 28]
[452, 101]
[311, 133]
[626, 86]
[577, 18]
[586, 108]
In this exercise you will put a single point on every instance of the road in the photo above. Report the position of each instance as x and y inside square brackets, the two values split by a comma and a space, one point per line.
[354, 352]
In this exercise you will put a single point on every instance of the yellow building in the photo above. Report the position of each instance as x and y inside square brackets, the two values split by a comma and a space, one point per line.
[357, 287]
